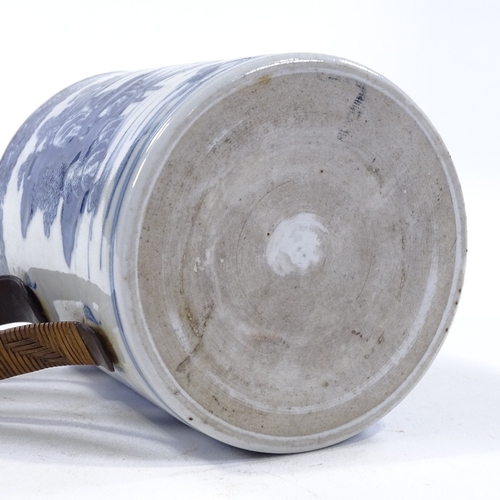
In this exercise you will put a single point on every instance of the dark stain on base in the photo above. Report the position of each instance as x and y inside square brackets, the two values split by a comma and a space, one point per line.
[264, 79]
[183, 365]
[357, 106]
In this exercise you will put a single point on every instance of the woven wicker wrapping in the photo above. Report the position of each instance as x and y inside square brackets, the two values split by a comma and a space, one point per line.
[29, 348]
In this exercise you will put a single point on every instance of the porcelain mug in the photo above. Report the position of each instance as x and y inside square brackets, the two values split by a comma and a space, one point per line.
[271, 249]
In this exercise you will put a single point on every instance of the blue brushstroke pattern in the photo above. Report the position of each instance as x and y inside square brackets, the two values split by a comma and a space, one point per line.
[66, 163]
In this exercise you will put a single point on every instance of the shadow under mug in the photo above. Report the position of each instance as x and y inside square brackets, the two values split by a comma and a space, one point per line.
[271, 249]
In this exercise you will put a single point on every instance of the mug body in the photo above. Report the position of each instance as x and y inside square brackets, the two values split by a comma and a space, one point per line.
[274, 246]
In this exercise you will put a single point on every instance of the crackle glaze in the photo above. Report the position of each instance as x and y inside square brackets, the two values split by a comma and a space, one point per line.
[274, 246]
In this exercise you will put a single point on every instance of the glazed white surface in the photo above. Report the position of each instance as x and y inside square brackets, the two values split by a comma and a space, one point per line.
[295, 244]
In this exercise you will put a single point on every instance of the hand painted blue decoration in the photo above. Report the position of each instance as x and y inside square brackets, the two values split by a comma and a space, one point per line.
[69, 152]
[71, 137]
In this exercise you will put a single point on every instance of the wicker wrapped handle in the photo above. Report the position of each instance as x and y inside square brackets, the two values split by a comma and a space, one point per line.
[38, 344]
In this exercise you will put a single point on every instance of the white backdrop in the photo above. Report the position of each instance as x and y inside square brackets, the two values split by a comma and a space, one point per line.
[77, 433]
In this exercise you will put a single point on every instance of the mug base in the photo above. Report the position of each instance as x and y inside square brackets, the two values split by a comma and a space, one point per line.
[300, 256]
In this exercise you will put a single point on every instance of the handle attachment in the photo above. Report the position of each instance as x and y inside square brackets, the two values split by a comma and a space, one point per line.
[39, 344]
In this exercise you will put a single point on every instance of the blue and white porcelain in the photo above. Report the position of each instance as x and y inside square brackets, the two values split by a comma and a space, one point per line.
[274, 246]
